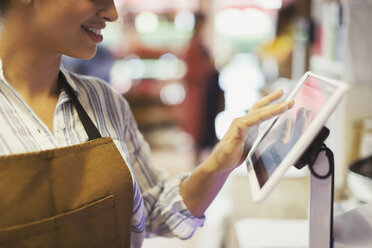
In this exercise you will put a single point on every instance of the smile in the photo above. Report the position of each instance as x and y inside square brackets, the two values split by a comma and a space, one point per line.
[97, 31]
[93, 33]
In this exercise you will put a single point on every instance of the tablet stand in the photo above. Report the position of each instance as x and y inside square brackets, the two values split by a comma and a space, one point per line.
[320, 160]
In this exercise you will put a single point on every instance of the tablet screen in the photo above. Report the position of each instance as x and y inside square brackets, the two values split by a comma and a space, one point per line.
[284, 133]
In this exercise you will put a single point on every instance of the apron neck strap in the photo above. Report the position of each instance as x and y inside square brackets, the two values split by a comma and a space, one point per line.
[89, 126]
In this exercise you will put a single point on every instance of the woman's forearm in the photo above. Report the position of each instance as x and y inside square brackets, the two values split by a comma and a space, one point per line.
[200, 189]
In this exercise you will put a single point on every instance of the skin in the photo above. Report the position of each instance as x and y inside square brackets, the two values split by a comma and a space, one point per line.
[31, 47]
[35, 35]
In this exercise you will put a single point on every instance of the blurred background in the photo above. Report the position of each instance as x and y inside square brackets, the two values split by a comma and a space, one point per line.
[188, 67]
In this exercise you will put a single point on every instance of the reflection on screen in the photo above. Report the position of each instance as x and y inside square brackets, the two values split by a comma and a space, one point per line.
[286, 131]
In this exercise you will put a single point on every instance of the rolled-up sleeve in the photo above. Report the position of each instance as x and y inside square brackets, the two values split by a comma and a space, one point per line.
[165, 211]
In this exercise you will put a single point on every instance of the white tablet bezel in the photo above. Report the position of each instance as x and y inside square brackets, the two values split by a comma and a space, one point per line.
[258, 193]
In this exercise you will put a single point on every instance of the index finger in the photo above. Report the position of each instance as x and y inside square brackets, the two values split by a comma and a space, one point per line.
[268, 112]
[268, 99]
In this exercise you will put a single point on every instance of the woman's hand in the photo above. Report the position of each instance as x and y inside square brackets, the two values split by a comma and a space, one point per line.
[199, 190]
[232, 150]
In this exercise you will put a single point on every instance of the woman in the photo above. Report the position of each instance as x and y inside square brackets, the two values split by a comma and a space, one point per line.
[61, 183]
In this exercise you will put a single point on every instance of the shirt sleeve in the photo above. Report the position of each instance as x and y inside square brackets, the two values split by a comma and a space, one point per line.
[165, 211]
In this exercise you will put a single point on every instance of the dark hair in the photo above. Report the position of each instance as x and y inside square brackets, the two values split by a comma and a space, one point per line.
[199, 21]
[199, 16]
[3, 6]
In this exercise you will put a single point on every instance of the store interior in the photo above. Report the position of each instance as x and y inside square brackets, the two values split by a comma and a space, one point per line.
[189, 67]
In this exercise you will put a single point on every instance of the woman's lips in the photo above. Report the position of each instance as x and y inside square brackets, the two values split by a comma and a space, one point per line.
[94, 33]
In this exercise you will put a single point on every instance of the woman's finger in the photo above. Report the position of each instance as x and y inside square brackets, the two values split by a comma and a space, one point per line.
[268, 99]
[268, 112]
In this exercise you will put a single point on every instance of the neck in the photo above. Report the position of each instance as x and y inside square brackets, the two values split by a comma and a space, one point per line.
[31, 71]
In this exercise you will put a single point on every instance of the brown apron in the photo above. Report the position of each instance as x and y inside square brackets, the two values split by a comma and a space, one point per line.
[76, 196]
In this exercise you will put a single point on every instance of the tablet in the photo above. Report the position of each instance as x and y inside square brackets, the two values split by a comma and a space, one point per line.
[283, 140]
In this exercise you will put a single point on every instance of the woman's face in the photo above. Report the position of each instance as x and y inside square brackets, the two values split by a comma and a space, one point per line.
[70, 27]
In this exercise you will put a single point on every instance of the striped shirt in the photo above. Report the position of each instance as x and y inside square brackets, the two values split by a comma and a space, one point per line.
[158, 209]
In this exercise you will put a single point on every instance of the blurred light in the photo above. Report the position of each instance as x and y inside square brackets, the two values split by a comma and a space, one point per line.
[168, 66]
[225, 22]
[184, 21]
[271, 4]
[112, 34]
[146, 22]
[161, 6]
[182, 69]
[250, 22]
[135, 67]
[119, 76]
[264, 4]
[168, 56]
[257, 21]
[242, 72]
[223, 121]
[241, 81]
[172, 94]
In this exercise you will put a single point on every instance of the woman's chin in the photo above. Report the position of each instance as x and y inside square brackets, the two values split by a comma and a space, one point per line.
[87, 54]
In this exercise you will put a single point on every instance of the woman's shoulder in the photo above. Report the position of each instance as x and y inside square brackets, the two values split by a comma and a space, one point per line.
[94, 87]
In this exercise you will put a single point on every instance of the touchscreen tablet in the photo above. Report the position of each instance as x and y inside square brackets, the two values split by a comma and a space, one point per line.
[284, 140]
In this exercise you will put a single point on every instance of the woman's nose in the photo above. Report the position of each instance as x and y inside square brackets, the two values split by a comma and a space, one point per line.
[108, 11]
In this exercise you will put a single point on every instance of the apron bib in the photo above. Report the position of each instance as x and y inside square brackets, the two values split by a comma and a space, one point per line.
[76, 196]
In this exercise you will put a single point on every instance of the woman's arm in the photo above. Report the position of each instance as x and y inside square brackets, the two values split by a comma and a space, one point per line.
[199, 190]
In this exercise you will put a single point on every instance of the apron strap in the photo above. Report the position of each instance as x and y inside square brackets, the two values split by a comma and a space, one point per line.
[88, 124]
